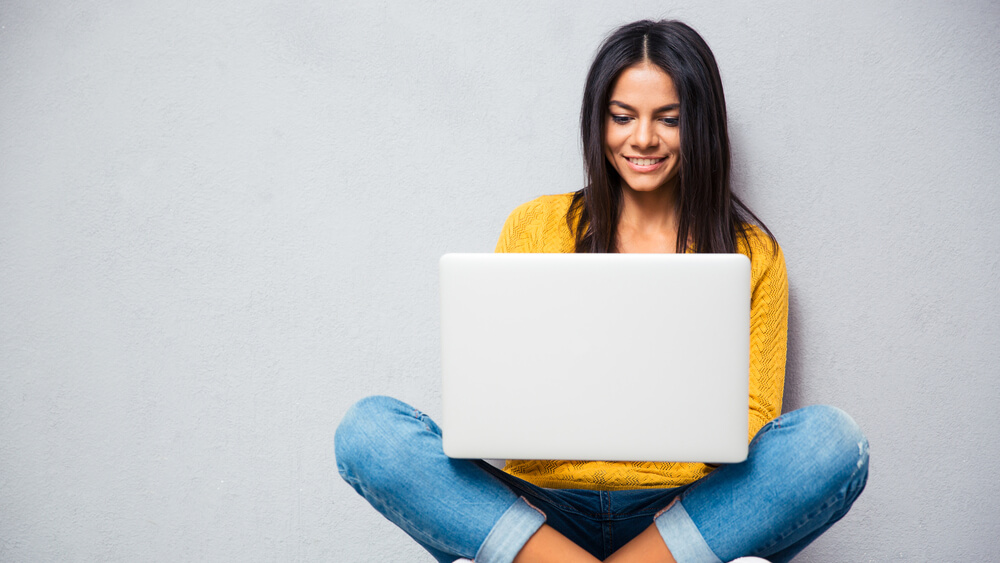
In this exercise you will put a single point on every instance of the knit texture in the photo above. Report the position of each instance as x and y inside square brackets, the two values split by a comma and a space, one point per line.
[540, 226]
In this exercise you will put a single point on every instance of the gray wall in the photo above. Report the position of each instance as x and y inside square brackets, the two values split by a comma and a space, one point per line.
[219, 225]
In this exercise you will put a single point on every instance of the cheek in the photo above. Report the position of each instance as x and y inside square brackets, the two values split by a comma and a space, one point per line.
[612, 144]
[675, 140]
[609, 152]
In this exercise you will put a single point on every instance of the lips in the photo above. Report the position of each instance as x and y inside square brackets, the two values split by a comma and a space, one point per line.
[645, 161]
[645, 165]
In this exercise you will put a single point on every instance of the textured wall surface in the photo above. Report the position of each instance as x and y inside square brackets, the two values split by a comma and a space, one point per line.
[219, 226]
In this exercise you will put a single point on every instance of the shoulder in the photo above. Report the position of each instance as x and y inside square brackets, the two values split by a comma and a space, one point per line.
[767, 261]
[538, 225]
[542, 208]
[756, 242]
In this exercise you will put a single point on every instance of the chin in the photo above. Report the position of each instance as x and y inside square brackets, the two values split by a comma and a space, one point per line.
[644, 187]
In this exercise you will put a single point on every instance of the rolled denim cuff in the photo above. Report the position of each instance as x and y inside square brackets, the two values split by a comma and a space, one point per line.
[510, 533]
[682, 537]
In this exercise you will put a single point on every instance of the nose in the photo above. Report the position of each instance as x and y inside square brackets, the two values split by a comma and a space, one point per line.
[644, 135]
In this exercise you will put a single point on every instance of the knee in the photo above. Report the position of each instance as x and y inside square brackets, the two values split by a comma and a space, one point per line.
[834, 441]
[365, 433]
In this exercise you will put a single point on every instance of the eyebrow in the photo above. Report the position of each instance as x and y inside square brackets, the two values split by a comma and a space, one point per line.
[668, 107]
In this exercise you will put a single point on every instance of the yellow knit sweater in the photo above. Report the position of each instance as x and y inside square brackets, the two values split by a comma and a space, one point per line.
[540, 226]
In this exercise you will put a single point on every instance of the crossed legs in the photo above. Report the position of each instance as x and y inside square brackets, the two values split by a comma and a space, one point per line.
[803, 473]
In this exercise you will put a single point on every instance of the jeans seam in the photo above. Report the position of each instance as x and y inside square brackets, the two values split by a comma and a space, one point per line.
[421, 417]
[350, 479]
[611, 529]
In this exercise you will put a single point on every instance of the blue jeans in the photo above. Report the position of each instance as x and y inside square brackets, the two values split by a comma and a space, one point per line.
[804, 470]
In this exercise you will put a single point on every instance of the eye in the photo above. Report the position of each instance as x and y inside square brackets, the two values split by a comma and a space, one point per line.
[621, 119]
[670, 121]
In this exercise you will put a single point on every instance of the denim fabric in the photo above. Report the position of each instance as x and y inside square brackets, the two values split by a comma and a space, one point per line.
[681, 535]
[803, 472]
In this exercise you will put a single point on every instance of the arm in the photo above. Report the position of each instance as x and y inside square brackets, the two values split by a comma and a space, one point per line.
[768, 334]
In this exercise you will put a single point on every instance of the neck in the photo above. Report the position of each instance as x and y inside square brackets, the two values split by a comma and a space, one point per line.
[648, 221]
[649, 212]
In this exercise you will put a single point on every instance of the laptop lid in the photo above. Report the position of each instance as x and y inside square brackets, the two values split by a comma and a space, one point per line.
[618, 357]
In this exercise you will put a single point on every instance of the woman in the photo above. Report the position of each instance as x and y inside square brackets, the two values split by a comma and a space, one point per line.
[657, 160]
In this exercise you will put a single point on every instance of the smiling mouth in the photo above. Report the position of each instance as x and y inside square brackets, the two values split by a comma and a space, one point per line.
[645, 161]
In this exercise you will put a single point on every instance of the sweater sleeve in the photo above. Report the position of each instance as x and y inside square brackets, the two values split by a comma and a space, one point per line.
[768, 333]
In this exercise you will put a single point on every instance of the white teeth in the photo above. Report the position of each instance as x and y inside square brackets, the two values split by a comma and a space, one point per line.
[644, 161]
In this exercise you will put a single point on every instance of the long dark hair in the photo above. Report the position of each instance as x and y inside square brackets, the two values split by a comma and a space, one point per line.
[708, 212]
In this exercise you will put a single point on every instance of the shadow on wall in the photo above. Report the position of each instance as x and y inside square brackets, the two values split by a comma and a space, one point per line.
[793, 364]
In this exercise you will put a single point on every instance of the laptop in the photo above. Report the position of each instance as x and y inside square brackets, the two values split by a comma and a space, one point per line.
[616, 357]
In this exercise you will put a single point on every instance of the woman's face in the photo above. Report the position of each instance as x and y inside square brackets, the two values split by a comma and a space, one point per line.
[642, 139]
